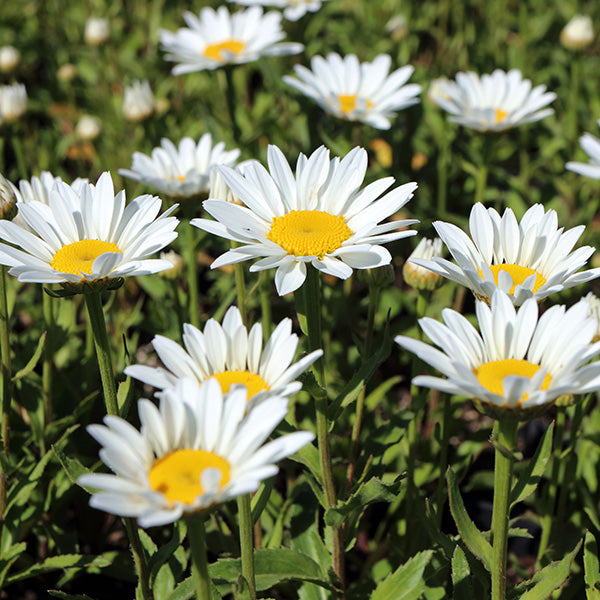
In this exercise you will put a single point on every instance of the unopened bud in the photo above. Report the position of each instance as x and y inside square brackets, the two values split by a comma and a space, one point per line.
[578, 33]
[96, 31]
[138, 101]
[8, 200]
[417, 276]
[9, 58]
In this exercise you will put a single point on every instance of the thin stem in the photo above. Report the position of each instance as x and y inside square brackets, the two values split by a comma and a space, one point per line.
[191, 266]
[47, 366]
[139, 558]
[197, 537]
[230, 96]
[265, 303]
[480, 182]
[5, 371]
[247, 543]
[445, 437]
[240, 287]
[18, 149]
[442, 173]
[506, 436]
[574, 95]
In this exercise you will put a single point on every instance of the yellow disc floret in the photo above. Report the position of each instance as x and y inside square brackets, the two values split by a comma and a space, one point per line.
[500, 115]
[79, 257]
[518, 274]
[348, 103]
[215, 51]
[491, 374]
[178, 475]
[309, 232]
[254, 383]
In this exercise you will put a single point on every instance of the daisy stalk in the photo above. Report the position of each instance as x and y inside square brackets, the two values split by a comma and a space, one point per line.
[197, 537]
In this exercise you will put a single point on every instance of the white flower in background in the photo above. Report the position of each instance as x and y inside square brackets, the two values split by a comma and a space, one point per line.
[356, 91]
[215, 38]
[292, 9]
[437, 89]
[594, 303]
[13, 102]
[417, 276]
[591, 146]
[494, 102]
[9, 58]
[232, 355]
[85, 233]
[88, 127]
[578, 33]
[219, 190]
[180, 171]
[517, 361]
[530, 258]
[96, 31]
[189, 456]
[319, 216]
[8, 199]
[66, 72]
[138, 101]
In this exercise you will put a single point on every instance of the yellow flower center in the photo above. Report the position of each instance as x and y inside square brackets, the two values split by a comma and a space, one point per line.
[79, 257]
[348, 103]
[254, 383]
[518, 274]
[309, 232]
[500, 115]
[491, 374]
[215, 51]
[178, 475]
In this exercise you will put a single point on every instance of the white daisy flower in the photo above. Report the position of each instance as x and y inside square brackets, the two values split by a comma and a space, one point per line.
[292, 9]
[232, 355]
[138, 101]
[493, 102]
[320, 216]
[85, 235]
[13, 102]
[519, 361]
[189, 456]
[355, 91]
[215, 38]
[530, 258]
[180, 171]
[591, 146]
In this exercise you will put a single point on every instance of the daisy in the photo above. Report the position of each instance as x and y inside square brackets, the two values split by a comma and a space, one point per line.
[232, 355]
[13, 102]
[86, 234]
[518, 361]
[355, 91]
[189, 456]
[215, 38]
[180, 171]
[292, 9]
[494, 102]
[591, 146]
[530, 258]
[320, 216]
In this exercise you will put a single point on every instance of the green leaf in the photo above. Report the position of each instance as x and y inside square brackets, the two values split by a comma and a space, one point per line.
[461, 573]
[124, 397]
[470, 535]
[406, 582]
[592, 567]
[73, 468]
[65, 596]
[30, 366]
[185, 590]
[8, 557]
[529, 479]
[260, 499]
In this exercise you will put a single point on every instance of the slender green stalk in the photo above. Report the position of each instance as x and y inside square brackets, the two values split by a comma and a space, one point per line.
[197, 537]
[247, 543]
[191, 266]
[48, 362]
[231, 101]
[442, 174]
[96, 315]
[506, 436]
[574, 95]
[480, 182]
[18, 149]
[445, 437]
[240, 286]
[265, 303]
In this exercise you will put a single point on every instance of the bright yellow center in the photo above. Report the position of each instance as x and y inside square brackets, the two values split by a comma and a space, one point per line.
[254, 383]
[79, 257]
[491, 374]
[178, 475]
[309, 232]
[348, 102]
[500, 115]
[215, 51]
[518, 274]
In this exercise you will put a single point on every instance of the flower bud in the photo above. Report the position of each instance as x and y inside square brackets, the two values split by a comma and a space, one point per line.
[138, 101]
[176, 260]
[8, 200]
[594, 303]
[13, 102]
[578, 33]
[66, 72]
[96, 31]
[417, 276]
[88, 127]
[9, 58]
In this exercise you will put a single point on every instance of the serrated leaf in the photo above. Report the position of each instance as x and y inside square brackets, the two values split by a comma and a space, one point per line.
[185, 590]
[529, 479]
[8, 557]
[461, 574]
[65, 596]
[406, 582]
[471, 536]
[33, 361]
[73, 468]
[591, 567]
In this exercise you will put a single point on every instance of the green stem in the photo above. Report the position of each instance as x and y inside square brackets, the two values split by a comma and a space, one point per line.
[247, 543]
[47, 366]
[265, 303]
[480, 182]
[240, 287]
[506, 436]
[442, 173]
[5, 371]
[18, 149]
[230, 97]
[139, 558]
[191, 265]
[445, 437]
[197, 537]
[574, 95]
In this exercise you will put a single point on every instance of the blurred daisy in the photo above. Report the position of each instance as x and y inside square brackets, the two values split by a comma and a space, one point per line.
[493, 102]
[9, 58]
[232, 355]
[96, 31]
[355, 91]
[86, 234]
[320, 216]
[215, 38]
[530, 258]
[13, 102]
[138, 101]
[578, 33]
[88, 127]
[180, 171]
[519, 361]
[189, 456]
[292, 9]
[591, 146]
